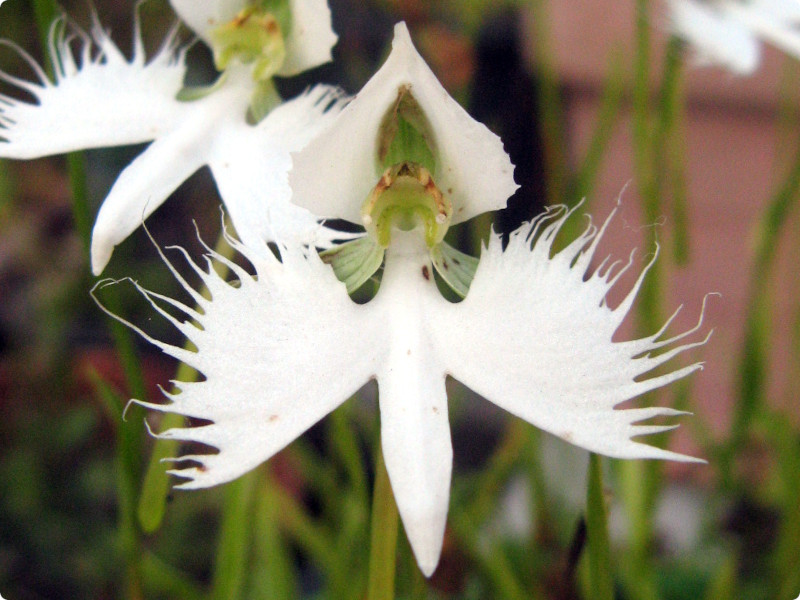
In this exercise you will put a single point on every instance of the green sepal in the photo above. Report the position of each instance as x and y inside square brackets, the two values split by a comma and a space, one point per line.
[265, 98]
[456, 268]
[354, 262]
[198, 92]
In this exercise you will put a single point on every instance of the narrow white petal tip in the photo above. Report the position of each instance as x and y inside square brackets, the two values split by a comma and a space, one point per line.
[100, 253]
[426, 540]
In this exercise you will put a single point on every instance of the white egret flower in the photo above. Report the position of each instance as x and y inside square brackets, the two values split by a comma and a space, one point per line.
[99, 98]
[727, 32]
[284, 346]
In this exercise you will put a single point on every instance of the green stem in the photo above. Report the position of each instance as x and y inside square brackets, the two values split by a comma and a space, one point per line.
[553, 122]
[494, 562]
[639, 479]
[610, 102]
[753, 359]
[273, 573]
[600, 568]
[490, 483]
[383, 536]
[668, 157]
[230, 567]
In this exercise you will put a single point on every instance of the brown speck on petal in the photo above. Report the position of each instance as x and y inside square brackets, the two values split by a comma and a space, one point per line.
[273, 418]
[425, 273]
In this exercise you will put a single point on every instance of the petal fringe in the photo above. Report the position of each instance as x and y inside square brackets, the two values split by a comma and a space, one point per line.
[98, 98]
[534, 335]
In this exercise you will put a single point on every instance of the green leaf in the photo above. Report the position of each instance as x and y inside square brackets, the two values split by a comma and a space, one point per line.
[383, 538]
[456, 268]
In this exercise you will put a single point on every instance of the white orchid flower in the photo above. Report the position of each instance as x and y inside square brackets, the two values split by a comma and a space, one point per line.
[99, 98]
[727, 32]
[284, 346]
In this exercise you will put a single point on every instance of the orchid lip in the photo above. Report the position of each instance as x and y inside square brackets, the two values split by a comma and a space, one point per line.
[406, 197]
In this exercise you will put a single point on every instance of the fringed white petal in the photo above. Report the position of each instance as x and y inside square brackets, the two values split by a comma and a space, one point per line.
[251, 164]
[279, 350]
[534, 335]
[415, 432]
[336, 172]
[99, 97]
[311, 38]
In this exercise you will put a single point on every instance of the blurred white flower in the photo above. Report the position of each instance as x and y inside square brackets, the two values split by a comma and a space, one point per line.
[100, 98]
[281, 348]
[727, 32]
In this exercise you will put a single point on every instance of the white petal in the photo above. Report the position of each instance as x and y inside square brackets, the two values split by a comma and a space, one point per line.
[716, 38]
[204, 15]
[99, 98]
[311, 38]
[251, 165]
[142, 187]
[415, 432]
[279, 350]
[534, 335]
[336, 172]
[169, 161]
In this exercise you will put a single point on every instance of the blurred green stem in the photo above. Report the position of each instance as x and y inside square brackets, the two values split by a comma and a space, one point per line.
[553, 128]
[607, 117]
[383, 536]
[231, 558]
[273, 572]
[753, 359]
[599, 546]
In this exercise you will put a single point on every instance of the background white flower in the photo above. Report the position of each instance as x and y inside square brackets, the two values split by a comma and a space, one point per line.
[727, 32]
[99, 98]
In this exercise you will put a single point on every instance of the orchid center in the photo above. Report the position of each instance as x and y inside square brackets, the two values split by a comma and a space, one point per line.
[255, 36]
[406, 197]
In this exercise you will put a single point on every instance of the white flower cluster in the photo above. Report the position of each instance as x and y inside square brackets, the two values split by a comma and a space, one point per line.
[282, 348]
